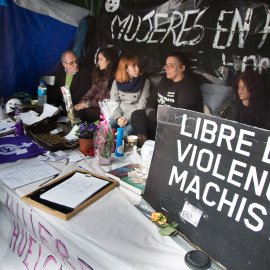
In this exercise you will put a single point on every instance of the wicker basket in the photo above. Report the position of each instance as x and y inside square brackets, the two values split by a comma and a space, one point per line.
[41, 134]
[39, 110]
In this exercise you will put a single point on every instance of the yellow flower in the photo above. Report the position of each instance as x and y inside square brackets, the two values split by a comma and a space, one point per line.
[158, 217]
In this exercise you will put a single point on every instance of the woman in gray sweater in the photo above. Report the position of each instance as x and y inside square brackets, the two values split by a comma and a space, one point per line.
[131, 90]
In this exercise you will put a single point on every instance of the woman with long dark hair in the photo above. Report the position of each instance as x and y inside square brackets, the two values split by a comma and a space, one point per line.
[250, 103]
[102, 77]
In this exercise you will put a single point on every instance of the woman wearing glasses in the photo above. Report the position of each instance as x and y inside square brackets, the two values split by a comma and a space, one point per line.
[131, 90]
[176, 89]
[250, 103]
[103, 75]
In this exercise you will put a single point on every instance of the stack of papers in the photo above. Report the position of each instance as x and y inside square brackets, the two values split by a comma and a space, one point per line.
[32, 117]
[21, 175]
[75, 190]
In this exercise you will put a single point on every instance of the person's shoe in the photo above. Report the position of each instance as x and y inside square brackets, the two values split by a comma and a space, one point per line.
[141, 140]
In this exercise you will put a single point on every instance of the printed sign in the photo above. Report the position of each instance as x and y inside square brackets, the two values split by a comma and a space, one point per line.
[211, 176]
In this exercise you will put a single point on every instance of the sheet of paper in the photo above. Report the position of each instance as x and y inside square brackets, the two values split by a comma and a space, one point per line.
[6, 127]
[29, 117]
[75, 158]
[48, 111]
[25, 174]
[71, 135]
[32, 117]
[75, 190]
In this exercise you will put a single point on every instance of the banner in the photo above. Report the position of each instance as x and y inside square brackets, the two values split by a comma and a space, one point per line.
[210, 175]
[18, 147]
[224, 37]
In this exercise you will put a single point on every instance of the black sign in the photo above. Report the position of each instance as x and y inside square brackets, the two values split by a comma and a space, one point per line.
[224, 37]
[212, 177]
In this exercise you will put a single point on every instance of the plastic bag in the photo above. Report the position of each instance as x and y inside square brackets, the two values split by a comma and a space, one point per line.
[103, 140]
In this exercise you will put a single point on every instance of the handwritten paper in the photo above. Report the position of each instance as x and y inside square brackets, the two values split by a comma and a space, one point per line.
[22, 175]
[6, 127]
[75, 190]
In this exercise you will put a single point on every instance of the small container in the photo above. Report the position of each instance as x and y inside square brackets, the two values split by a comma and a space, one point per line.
[19, 131]
[119, 151]
[197, 260]
[132, 141]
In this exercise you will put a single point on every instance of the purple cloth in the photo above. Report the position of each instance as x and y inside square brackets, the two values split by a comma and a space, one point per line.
[11, 146]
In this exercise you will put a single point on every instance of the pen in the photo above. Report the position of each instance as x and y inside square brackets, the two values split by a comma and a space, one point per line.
[80, 167]
[48, 180]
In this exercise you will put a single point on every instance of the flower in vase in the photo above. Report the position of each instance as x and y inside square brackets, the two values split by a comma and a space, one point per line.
[86, 130]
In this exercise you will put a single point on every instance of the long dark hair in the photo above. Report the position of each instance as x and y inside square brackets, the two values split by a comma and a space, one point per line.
[108, 74]
[254, 113]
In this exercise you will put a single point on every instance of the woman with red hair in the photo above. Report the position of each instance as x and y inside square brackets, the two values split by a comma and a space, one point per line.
[131, 90]
[250, 103]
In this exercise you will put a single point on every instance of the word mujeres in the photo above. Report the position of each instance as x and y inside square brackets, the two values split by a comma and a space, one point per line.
[181, 25]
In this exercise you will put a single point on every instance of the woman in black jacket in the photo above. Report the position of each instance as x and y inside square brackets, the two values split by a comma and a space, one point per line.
[250, 103]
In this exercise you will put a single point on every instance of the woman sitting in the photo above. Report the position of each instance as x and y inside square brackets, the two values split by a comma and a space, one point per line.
[250, 103]
[103, 75]
[177, 89]
[131, 90]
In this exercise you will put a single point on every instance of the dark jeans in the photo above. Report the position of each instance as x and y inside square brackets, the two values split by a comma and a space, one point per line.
[141, 124]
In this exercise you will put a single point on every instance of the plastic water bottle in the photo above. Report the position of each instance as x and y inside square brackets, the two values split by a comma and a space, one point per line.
[42, 93]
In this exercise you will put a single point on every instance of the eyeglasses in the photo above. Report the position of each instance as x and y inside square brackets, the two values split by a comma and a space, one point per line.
[72, 63]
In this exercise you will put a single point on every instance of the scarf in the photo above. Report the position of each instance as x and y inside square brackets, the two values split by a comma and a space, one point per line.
[132, 87]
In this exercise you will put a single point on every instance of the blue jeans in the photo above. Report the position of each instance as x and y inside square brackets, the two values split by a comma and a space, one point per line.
[127, 130]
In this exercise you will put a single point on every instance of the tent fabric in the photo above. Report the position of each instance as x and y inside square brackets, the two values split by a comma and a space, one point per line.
[32, 43]
[56, 9]
[79, 46]
[3, 3]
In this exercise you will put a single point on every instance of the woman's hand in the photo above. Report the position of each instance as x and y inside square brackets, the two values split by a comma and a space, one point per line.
[122, 121]
[82, 105]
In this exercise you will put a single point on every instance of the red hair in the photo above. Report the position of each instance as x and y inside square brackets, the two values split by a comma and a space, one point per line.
[125, 61]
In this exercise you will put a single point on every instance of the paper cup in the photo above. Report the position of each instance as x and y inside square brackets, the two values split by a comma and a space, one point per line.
[132, 141]
[34, 102]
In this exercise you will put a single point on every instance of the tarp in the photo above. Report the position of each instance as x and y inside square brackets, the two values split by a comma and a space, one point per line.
[33, 36]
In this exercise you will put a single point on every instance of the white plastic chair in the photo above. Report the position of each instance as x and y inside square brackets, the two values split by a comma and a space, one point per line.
[49, 80]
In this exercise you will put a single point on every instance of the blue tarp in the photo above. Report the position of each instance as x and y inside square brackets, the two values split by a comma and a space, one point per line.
[30, 46]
